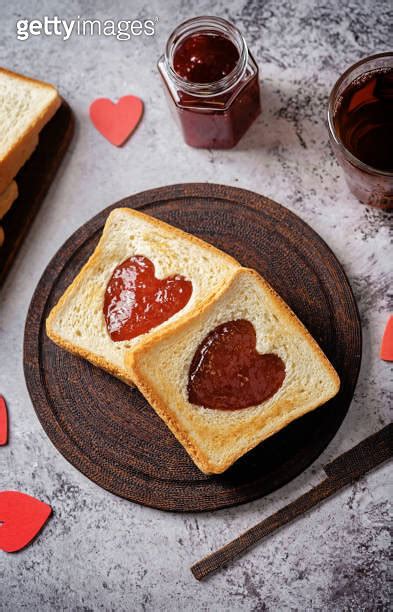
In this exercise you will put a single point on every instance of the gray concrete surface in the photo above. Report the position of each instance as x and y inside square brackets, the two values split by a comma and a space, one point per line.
[103, 553]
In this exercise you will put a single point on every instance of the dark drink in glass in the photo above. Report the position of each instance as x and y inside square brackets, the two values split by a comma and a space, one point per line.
[361, 129]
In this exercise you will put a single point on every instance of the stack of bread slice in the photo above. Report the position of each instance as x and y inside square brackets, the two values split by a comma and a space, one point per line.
[159, 362]
[26, 105]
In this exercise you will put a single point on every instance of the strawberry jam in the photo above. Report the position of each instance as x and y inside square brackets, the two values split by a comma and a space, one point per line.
[205, 58]
[136, 301]
[227, 372]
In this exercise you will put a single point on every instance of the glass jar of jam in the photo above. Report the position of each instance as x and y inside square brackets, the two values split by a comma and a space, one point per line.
[211, 81]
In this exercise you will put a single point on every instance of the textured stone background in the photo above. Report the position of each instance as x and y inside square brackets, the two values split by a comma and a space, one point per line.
[100, 552]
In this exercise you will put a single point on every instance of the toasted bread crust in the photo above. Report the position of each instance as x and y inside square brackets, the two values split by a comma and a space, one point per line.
[152, 394]
[122, 373]
[7, 198]
[23, 77]
[96, 360]
[178, 232]
[23, 147]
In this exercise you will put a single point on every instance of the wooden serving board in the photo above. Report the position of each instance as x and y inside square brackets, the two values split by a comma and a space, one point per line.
[110, 433]
[34, 180]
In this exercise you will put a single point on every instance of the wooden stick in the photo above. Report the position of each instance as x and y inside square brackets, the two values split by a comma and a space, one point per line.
[341, 472]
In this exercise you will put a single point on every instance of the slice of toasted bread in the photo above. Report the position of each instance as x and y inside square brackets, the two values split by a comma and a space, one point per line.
[216, 438]
[7, 198]
[26, 105]
[9, 195]
[77, 322]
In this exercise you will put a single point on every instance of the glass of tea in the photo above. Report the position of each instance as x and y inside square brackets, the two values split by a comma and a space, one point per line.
[360, 118]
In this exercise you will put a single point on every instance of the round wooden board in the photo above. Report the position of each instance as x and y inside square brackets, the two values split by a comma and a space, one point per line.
[110, 433]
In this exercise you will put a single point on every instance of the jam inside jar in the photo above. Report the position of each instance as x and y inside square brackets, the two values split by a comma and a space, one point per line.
[211, 81]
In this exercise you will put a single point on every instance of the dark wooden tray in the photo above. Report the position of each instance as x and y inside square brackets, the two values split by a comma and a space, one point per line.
[34, 180]
[110, 433]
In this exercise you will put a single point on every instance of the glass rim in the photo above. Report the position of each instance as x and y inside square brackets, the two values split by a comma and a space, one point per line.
[206, 22]
[330, 116]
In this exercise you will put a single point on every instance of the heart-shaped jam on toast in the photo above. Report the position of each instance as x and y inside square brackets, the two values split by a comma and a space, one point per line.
[136, 301]
[227, 372]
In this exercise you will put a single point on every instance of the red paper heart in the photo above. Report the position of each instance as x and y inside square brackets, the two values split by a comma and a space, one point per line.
[116, 121]
[136, 301]
[227, 372]
[387, 341]
[3, 422]
[21, 518]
